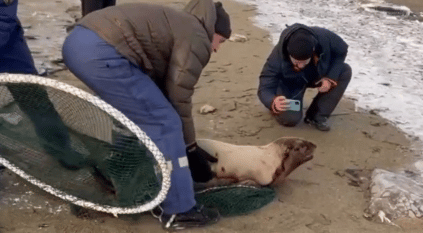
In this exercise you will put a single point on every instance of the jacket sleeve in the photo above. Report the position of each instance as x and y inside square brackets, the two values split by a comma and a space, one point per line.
[338, 53]
[188, 59]
[269, 77]
[8, 21]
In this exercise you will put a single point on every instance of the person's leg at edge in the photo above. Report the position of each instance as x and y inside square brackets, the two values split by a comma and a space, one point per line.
[132, 92]
[34, 102]
[324, 104]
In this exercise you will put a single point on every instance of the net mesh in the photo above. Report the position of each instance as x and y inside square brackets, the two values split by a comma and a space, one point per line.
[75, 147]
[235, 199]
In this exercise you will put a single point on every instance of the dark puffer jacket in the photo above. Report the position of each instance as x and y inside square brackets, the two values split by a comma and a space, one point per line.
[278, 69]
[171, 46]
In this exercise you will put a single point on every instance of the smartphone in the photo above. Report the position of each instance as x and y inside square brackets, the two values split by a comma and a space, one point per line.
[294, 105]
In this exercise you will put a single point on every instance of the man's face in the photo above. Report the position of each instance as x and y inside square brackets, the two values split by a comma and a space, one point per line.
[299, 65]
[217, 40]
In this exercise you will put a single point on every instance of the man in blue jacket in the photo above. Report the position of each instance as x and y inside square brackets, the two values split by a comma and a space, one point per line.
[305, 57]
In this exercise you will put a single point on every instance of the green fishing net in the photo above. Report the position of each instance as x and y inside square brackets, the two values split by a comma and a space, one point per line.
[77, 148]
[235, 199]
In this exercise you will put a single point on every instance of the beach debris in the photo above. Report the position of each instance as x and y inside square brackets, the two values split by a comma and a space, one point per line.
[43, 225]
[391, 195]
[238, 38]
[391, 9]
[395, 195]
[207, 109]
[31, 37]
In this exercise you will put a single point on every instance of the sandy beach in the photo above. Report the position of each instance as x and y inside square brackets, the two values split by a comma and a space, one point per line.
[316, 197]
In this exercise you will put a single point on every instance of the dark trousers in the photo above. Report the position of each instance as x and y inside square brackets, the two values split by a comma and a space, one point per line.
[322, 105]
[15, 56]
[93, 5]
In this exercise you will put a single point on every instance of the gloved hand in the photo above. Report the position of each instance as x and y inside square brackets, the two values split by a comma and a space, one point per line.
[198, 160]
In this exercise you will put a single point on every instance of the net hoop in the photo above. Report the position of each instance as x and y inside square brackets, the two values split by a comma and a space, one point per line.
[141, 135]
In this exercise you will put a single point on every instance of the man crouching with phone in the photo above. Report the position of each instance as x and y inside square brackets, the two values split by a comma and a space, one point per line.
[305, 57]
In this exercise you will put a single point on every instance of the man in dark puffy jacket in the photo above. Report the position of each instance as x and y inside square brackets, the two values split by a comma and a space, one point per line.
[144, 59]
[305, 57]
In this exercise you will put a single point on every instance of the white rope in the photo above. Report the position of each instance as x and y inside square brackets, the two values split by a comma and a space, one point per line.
[32, 79]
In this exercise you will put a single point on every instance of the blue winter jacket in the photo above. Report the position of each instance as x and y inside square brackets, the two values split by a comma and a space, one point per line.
[278, 71]
[8, 19]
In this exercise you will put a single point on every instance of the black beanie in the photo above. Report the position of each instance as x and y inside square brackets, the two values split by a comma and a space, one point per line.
[301, 45]
[223, 23]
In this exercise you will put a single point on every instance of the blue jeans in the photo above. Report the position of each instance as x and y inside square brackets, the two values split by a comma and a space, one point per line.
[125, 87]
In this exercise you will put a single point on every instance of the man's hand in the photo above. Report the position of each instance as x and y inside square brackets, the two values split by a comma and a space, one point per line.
[198, 160]
[326, 85]
[280, 104]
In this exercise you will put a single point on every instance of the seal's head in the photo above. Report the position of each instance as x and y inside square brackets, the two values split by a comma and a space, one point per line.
[297, 152]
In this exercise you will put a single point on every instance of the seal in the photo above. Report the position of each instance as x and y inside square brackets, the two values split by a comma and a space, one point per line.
[256, 165]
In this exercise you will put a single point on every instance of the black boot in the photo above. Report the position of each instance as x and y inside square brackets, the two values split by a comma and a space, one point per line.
[198, 216]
